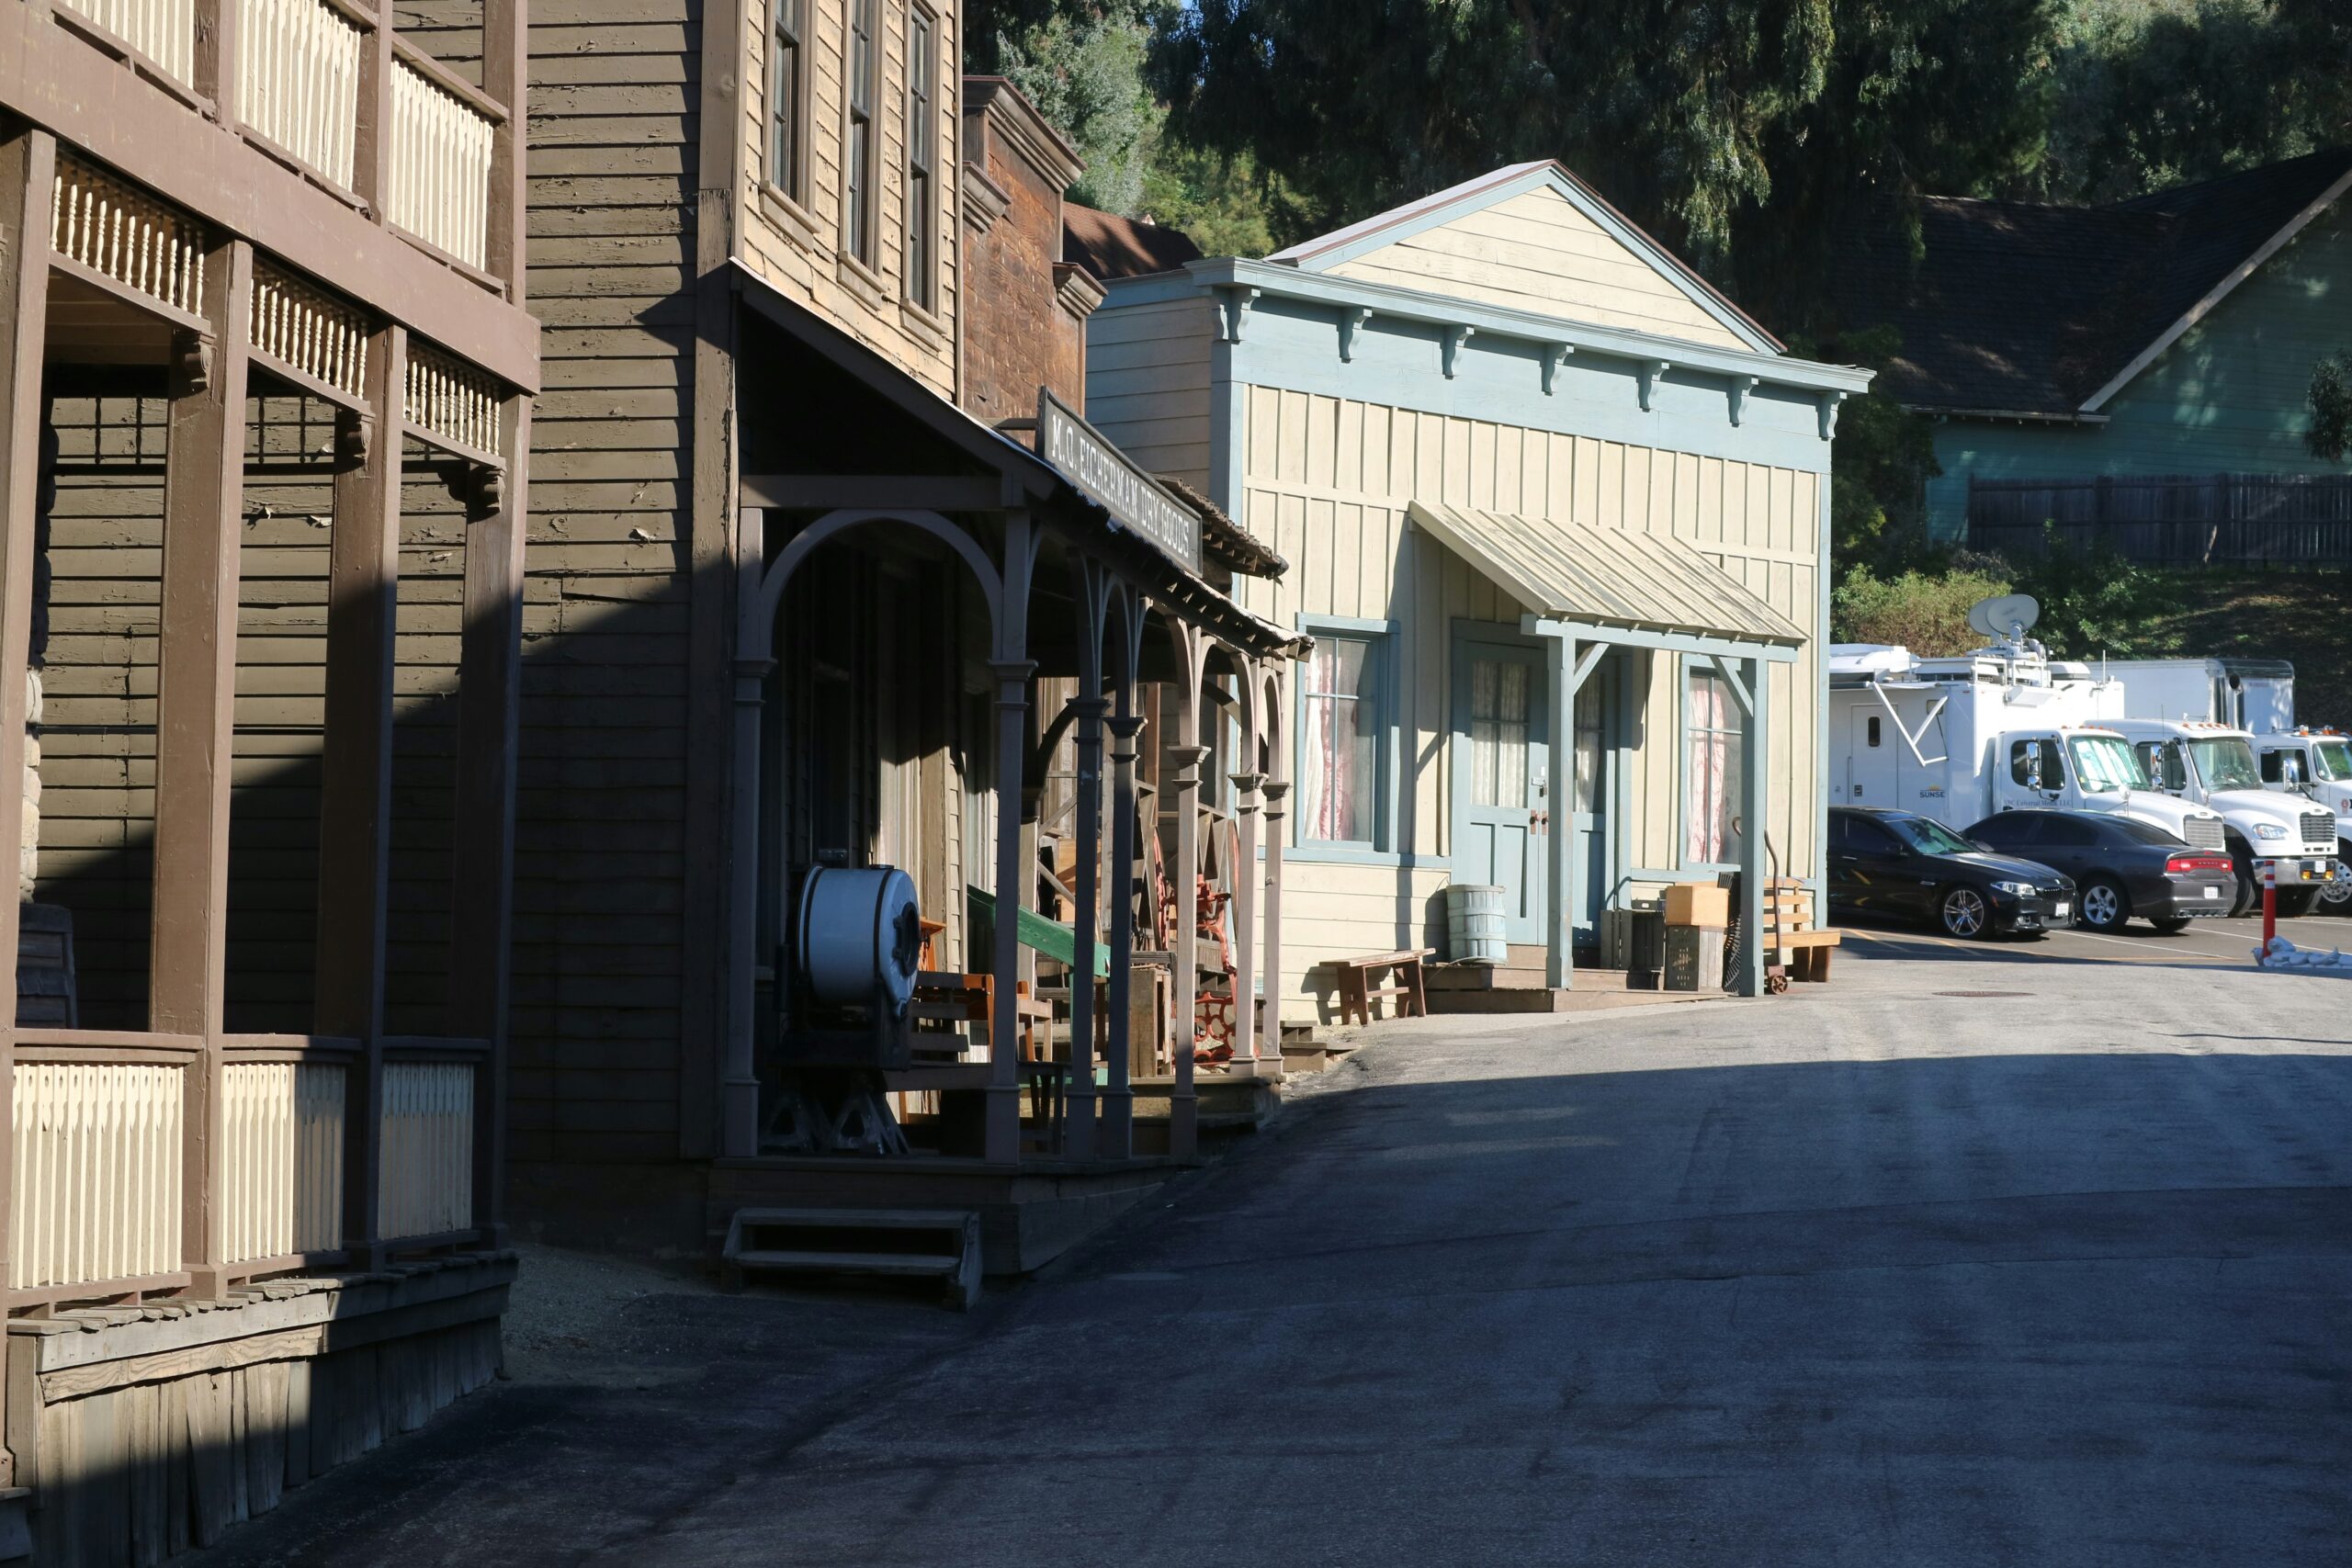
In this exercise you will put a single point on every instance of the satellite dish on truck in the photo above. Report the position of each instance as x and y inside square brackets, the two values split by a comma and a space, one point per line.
[2005, 616]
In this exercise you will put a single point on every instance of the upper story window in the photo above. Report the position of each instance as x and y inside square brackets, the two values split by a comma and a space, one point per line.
[786, 98]
[860, 156]
[922, 157]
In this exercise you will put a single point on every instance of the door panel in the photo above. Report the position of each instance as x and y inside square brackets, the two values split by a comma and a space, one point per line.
[1590, 799]
[1503, 775]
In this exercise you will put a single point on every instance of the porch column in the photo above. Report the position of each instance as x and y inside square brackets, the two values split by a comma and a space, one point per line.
[738, 1088]
[1560, 815]
[28, 172]
[1086, 893]
[1754, 866]
[1270, 1027]
[1184, 760]
[355, 772]
[489, 702]
[1003, 1131]
[195, 661]
[1118, 1099]
[1245, 916]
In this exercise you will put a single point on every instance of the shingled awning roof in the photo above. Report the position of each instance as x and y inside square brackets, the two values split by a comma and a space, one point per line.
[1568, 570]
[1111, 246]
[2024, 309]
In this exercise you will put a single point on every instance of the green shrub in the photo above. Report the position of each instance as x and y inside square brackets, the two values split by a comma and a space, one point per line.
[1925, 613]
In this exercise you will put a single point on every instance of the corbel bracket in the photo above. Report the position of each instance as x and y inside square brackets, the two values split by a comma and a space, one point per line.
[1554, 354]
[1827, 409]
[1452, 347]
[1234, 300]
[1740, 387]
[1647, 371]
[1351, 319]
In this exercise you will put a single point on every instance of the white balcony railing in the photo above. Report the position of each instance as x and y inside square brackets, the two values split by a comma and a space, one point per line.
[281, 1175]
[297, 81]
[96, 1189]
[440, 167]
[308, 330]
[427, 1172]
[114, 228]
[451, 399]
[163, 30]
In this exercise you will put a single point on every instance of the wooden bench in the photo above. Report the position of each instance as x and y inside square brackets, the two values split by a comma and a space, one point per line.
[1357, 993]
[1795, 948]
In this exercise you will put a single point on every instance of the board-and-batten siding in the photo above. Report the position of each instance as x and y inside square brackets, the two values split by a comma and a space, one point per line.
[1327, 482]
[1148, 384]
[1536, 253]
[599, 846]
[802, 254]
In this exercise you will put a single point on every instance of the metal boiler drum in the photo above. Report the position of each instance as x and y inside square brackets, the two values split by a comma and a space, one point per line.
[861, 935]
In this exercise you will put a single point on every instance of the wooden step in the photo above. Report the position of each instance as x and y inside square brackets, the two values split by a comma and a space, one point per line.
[953, 1255]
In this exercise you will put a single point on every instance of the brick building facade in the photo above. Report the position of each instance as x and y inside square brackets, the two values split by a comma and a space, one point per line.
[1015, 169]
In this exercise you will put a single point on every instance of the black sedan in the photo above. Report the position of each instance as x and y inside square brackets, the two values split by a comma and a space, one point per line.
[1899, 864]
[2121, 866]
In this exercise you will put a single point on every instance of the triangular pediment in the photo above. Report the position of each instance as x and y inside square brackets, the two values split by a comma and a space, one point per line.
[1534, 238]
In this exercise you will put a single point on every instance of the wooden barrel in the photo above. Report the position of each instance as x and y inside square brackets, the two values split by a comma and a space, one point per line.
[1474, 924]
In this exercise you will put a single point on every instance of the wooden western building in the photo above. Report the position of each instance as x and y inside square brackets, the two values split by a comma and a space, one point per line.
[828, 575]
[265, 382]
[1557, 517]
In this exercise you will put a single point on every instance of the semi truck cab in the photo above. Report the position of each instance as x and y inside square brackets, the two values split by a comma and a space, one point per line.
[2317, 765]
[2214, 765]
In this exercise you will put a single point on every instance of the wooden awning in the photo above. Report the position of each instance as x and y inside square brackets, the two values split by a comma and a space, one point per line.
[1564, 570]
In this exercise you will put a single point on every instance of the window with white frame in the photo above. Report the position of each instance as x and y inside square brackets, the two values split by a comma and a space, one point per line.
[923, 156]
[784, 99]
[1340, 735]
[859, 157]
[1712, 746]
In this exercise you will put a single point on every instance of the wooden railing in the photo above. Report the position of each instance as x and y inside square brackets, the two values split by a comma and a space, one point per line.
[282, 1162]
[107, 1179]
[442, 143]
[426, 1187]
[98, 1159]
[297, 81]
[163, 30]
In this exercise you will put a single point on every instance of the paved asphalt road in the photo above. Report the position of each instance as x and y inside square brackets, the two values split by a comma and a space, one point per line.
[2013, 1256]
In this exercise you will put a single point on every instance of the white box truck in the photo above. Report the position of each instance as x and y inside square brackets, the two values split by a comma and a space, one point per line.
[2256, 696]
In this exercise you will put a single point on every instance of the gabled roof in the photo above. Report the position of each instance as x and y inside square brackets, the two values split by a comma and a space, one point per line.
[1356, 247]
[2045, 311]
[1111, 246]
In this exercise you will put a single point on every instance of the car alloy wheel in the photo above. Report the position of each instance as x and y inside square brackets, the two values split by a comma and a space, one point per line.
[2103, 906]
[1965, 913]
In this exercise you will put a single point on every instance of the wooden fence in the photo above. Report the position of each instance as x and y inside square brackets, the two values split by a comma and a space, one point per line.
[2267, 520]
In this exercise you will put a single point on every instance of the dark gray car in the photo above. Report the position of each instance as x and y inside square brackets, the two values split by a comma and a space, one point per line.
[2121, 867]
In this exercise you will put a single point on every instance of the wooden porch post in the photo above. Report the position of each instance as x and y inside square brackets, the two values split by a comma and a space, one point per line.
[356, 785]
[1245, 873]
[196, 673]
[1118, 1098]
[1270, 1024]
[505, 46]
[739, 1085]
[1754, 866]
[489, 701]
[1013, 667]
[1560, 813]
[27, 170]
[1184, 759]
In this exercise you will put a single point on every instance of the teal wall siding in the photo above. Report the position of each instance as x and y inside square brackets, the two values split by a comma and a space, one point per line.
[2228, 398]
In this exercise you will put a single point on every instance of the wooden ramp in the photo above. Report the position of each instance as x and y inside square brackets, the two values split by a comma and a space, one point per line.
[937, 1243]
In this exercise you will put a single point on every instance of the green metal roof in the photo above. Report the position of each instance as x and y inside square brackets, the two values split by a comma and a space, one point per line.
[1567, 571]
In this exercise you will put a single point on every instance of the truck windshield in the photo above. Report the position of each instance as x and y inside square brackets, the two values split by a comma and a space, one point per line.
[2104, 764]
[2333, 760]
[2226, 763]
[1928, 836]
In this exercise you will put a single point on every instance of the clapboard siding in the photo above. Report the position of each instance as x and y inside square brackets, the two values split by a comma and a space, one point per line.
[803, 257]
[1536, 253]
[1148, 377]
[1326, 482]
[600, 833]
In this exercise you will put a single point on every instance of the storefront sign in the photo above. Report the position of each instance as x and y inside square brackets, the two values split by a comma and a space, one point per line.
[1107, 477]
